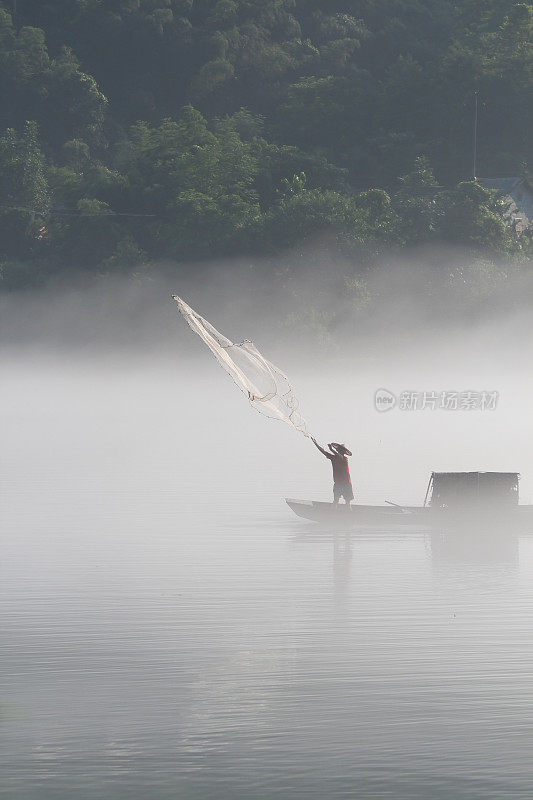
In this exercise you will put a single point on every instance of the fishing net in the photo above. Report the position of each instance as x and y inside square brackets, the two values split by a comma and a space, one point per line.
[268, 389]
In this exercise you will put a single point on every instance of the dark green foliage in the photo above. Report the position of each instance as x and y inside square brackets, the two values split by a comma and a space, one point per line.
[23, 191]
[308, 213]
[470, 216]
[180, 129]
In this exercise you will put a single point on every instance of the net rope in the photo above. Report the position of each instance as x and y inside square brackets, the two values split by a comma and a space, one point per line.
[268, 388]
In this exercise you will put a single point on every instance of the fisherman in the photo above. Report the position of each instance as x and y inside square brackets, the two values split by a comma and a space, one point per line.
[342, 484]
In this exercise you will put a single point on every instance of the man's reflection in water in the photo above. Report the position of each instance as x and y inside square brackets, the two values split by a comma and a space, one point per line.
[342, 563]
[342, 541]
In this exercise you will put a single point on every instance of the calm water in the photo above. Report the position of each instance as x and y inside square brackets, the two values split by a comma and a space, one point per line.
[169, 630]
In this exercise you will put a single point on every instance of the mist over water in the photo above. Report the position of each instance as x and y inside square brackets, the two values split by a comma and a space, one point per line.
[171, 629]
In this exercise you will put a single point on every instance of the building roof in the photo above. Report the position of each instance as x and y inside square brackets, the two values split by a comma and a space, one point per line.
[462, 474]
[502, 185]
[519, 193]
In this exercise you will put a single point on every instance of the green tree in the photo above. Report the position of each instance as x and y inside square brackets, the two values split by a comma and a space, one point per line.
[24, 192]
[471, 216]
[309, 213]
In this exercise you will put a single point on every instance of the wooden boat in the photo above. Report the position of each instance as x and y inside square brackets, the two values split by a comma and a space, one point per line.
[356, 514]
[453, 499]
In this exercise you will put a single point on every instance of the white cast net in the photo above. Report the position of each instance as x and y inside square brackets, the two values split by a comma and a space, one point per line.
[267, 387]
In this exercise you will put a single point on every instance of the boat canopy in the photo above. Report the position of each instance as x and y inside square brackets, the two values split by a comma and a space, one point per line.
[460, 489]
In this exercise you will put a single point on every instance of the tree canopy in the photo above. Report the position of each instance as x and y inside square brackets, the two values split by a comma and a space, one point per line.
[138, 130]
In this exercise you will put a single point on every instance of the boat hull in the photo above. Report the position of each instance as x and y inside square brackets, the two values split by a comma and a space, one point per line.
[410, 516]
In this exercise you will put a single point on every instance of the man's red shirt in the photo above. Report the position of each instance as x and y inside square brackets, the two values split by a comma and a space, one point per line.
[341, 470]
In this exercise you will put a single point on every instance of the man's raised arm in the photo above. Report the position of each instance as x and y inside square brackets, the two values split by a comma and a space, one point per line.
[324, 452]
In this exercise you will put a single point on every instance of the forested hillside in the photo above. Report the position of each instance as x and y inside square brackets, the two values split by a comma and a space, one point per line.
[134, 131]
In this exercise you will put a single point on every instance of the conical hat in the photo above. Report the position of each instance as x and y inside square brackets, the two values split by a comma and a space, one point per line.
[341, 448]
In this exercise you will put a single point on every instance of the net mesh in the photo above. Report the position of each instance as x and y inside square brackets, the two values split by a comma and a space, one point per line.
[268, 389]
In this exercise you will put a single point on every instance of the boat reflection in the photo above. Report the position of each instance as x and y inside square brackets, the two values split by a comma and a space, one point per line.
[482, 546]
[447, 549]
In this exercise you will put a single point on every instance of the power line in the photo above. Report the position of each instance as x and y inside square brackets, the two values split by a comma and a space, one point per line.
[73, 213]
[476, 94]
